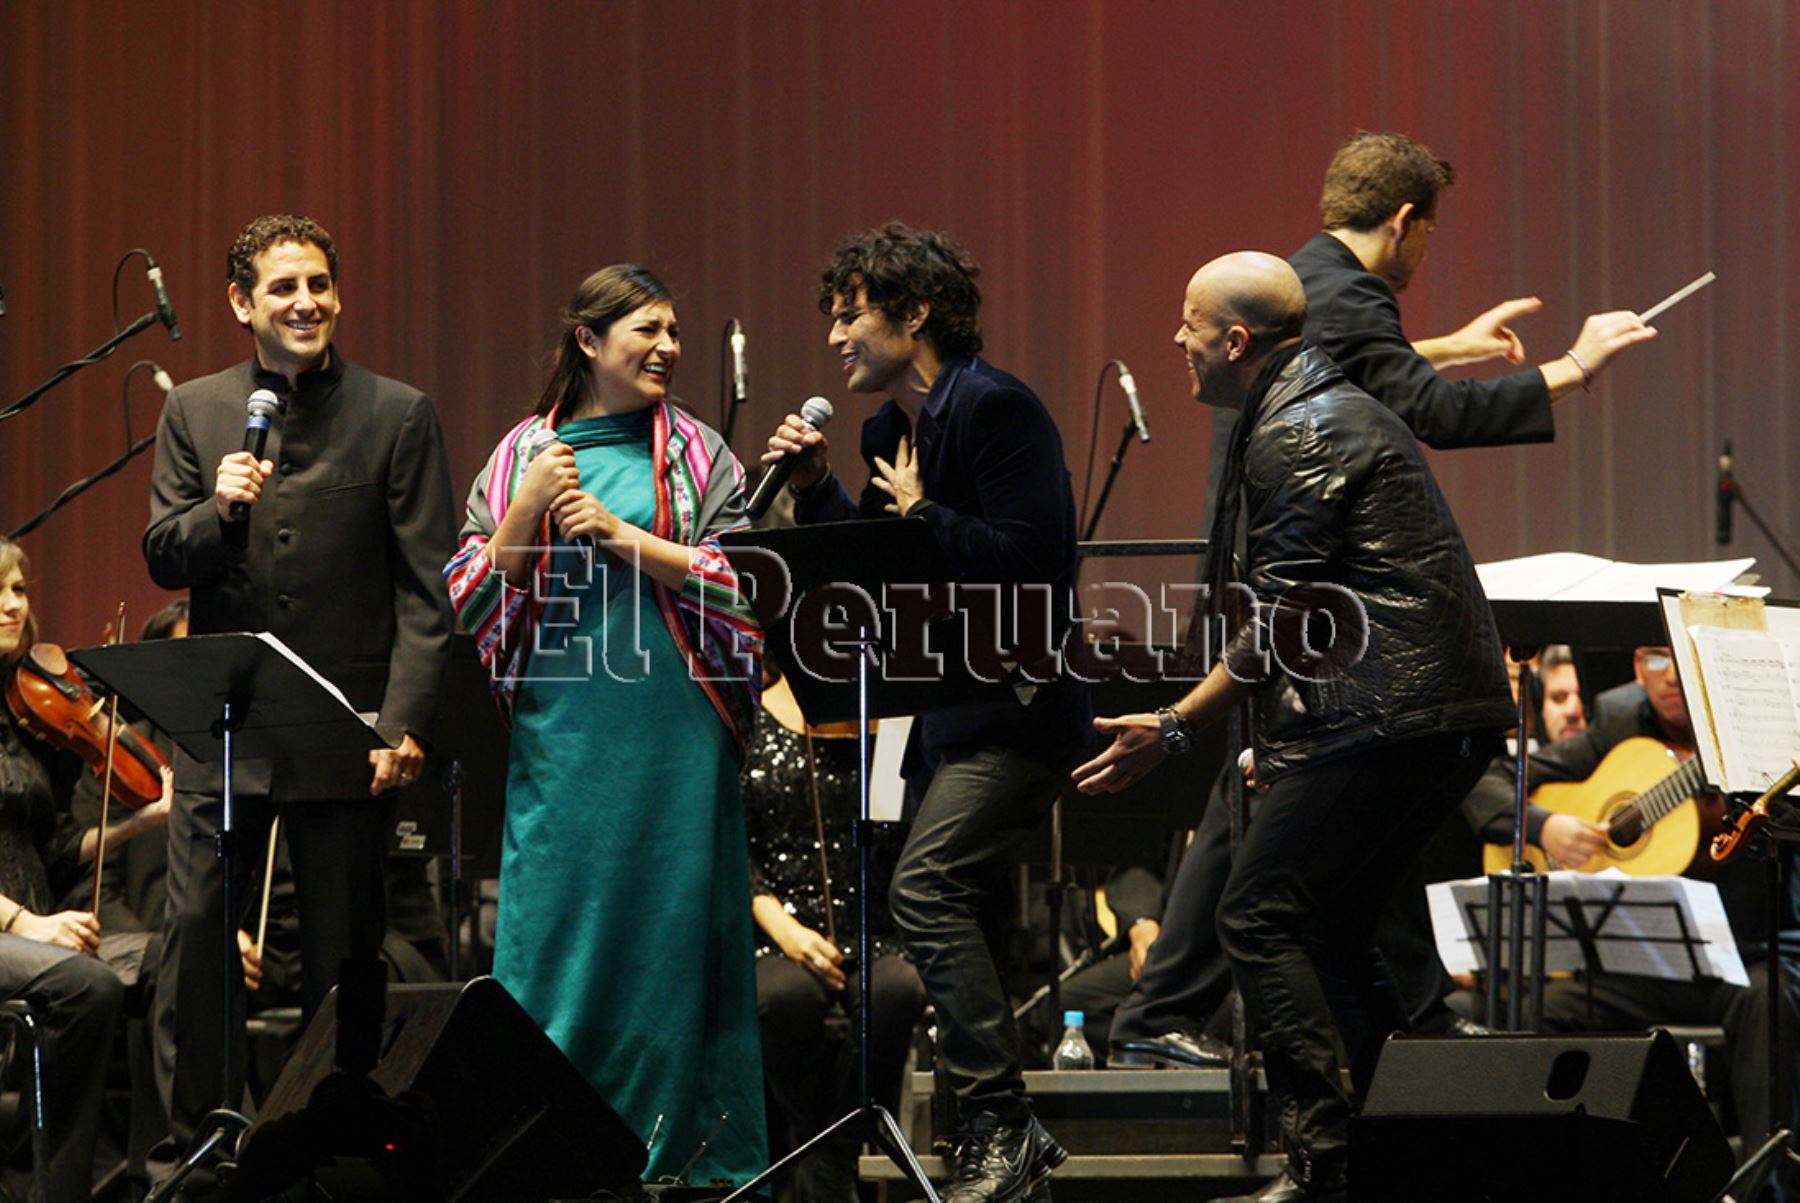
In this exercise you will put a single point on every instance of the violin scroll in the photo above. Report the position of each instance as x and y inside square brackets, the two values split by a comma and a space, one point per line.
[1728, 843]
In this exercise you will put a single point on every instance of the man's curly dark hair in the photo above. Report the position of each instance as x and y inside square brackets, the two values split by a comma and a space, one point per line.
[265, 232]
[901, 268]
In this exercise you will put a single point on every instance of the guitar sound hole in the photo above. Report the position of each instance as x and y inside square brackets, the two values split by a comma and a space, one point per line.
[1627, 824]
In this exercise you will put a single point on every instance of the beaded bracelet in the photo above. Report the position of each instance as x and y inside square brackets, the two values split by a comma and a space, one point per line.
[1587, 377]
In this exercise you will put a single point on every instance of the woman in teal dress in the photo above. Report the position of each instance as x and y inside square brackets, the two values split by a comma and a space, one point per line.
[623, 654]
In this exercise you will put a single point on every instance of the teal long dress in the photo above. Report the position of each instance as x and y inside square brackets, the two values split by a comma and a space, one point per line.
[624, 921]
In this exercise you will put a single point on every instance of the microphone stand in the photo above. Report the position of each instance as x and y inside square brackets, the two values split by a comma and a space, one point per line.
[1734, 493]
[875, 1122]
[1518, 889]
[133, 448]
[729, 400]
[69, 369]
[1112, 474]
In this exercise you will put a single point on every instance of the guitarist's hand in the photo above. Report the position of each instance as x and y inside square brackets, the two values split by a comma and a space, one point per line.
[1572, 841]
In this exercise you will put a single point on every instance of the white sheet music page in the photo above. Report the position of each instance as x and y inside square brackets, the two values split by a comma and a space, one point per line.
[288, 653]
[1572, 576]
[1645, 936]
[1643, 925]
[1750, 686]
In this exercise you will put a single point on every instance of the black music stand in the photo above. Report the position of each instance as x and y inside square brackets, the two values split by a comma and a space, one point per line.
[1525, 626]
[827, 583]
[456, 806]
[222, 697]
[1633, 925]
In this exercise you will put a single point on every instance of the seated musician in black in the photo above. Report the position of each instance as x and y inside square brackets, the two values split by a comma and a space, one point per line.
[1624, 1003]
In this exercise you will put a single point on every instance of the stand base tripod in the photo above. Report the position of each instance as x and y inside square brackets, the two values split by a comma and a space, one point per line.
[879, 1129]
[1778, 1148]
[216, 1129]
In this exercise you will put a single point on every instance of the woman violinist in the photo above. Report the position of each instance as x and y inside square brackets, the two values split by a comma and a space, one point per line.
[45, 958]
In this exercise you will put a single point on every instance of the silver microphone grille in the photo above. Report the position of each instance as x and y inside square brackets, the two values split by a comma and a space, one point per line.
[816, 411]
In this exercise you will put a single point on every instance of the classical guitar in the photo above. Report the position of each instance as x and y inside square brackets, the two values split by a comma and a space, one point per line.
[1656, 820]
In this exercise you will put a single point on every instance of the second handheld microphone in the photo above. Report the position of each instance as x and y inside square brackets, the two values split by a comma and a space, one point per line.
[815, 413]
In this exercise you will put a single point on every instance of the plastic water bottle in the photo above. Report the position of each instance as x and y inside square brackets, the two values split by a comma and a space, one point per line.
[1073, 1052]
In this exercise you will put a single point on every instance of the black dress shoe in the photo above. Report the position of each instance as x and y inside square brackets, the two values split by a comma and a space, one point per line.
[1004, 1163]
[1171, 1050]
[1285, 1190]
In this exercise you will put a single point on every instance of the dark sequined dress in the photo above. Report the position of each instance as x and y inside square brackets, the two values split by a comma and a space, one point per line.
[40, 842]
[784, 844]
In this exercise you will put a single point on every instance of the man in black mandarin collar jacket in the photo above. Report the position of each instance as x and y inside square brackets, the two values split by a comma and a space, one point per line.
[350, 520]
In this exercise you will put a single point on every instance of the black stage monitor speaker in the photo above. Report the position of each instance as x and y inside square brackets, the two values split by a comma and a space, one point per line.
[475, 1103]
[1600, 1119]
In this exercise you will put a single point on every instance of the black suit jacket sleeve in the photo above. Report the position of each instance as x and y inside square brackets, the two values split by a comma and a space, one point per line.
[826, 501]
[1362, 333]
[1352, 314]
[1017, 466]
[186, 543]
[421, 510]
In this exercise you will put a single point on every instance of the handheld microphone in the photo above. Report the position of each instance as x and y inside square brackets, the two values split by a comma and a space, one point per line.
[540, 442]
[262, 406]
[1723, 494]
[740, 371]
[1131, 400]
[815, 413]
[165, 312]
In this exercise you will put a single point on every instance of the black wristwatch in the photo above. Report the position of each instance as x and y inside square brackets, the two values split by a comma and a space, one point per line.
[1176, 738]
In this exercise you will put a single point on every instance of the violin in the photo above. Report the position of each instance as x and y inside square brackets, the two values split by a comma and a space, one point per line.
[49, 700]
[1738, 833]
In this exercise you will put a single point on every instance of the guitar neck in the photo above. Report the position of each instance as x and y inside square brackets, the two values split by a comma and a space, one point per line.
[1672, 791]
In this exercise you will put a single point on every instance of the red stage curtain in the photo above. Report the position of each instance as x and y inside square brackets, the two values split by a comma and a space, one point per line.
[475, 160]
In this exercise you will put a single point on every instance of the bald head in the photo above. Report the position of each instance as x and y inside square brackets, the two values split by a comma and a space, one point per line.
[1257, 290]
[1238, 309]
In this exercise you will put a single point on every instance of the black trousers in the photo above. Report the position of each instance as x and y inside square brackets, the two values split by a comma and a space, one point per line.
[76, 1000]
[1323, 851]
[338, 851]
[812, 1082]
[1185, 980]
[949, 897]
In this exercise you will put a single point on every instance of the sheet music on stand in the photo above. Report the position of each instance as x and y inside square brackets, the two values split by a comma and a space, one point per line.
[1672, 928]
[1738, 660]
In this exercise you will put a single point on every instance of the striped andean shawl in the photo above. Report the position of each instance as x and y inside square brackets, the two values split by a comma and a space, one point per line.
[699, 495]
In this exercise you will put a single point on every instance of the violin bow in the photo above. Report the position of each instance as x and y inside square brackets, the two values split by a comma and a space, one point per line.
[112, 744]
[262, 918]
[812, 788]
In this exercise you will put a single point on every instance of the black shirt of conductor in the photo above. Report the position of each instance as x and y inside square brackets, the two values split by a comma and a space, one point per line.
[1357, 763]
[351, 519]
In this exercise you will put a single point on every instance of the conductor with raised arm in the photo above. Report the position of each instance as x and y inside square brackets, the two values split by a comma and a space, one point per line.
[1377, 212]
[334, 541]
